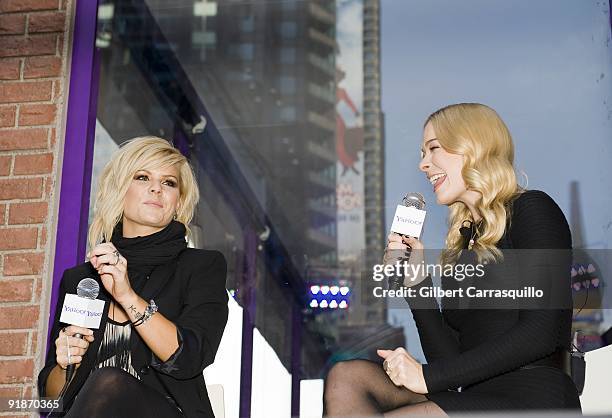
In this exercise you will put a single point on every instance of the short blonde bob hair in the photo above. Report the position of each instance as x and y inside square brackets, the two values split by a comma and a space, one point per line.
[478, 133]
[142, 153]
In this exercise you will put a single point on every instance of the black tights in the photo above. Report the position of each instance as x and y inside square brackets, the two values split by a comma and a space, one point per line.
[362, 388]
[112, 392]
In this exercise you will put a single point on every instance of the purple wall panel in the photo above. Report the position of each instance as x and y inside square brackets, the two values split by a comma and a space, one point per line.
[78, 148]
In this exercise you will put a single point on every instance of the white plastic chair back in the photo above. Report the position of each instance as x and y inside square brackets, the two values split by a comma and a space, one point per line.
[215, 394]
[596, 396]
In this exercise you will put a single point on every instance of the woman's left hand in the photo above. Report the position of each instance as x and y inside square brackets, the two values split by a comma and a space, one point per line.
[404, 370]
[112, 268]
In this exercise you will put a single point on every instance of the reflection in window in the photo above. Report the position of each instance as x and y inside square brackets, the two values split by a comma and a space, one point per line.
[287, 55]
[243, 51]
[247, 24]
[288, 114]
[288, 30]
[371, 118]
[289, 5]
[287, 84]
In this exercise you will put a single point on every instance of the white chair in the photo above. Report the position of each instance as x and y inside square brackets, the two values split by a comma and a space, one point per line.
[215, 394]
[595, 398]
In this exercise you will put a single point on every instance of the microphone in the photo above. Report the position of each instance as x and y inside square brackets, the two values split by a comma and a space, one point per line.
[83, 310]
[408, 221]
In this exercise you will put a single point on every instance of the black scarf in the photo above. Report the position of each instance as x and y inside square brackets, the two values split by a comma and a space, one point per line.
[145, 253]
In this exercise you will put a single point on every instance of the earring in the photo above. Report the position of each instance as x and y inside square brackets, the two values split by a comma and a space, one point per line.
[174, 217]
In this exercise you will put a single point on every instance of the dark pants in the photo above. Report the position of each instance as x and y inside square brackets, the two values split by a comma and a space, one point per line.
[112, 392]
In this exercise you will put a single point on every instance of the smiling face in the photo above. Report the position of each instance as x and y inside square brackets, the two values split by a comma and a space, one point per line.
[443, 169]
[151, 201]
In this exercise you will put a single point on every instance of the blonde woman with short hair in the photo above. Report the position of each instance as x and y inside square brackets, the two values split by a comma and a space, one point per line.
[165, 305]
[478, 359]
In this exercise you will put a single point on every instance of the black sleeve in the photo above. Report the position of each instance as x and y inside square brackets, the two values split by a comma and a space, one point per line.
[50, 362]
[438, 338]
[537, 224]
[201, 322]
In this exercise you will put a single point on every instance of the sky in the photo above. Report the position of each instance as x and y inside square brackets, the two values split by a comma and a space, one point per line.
[543, 66]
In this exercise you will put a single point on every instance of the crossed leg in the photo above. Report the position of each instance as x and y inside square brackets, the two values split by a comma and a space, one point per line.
[362, 388]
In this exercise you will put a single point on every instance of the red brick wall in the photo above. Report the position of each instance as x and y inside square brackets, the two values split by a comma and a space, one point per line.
[33, 68]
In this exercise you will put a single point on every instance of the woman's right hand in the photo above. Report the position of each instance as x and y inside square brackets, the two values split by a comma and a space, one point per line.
[396, 251]
[78, 346]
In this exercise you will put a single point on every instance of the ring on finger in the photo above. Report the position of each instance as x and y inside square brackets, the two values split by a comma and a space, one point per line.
[116, 253]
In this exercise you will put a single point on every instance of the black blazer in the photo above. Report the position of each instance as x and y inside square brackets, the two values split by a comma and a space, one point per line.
[190, 291]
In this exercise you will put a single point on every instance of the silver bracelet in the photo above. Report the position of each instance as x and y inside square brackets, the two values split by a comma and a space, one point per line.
[148, 313]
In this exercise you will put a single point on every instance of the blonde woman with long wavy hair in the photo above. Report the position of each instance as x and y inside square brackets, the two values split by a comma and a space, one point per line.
[165, 304]
[478, 359]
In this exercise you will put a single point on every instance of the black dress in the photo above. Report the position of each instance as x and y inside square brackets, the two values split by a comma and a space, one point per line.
[502, 359]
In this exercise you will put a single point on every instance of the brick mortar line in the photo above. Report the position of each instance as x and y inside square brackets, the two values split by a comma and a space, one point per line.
[37, 200]
[26, 11]
[57, 42]
[53, 83]
[21, 68]
[29, 176]
[19, 227]
[39, 237]
[34, 126]
[31, 249]
[30, 80]
[20, 329]
[21, 357]
[24, 128]
[10, 304]
[43, 11]
[27, 24]
[24, 201]
[7, 153]
[34, 224]
[29, 339]
[32, 152]
[31, 35]
[17, 113]
[10, 201]
[22, 251]
[18, 278]
[10, 331]
[17, 104]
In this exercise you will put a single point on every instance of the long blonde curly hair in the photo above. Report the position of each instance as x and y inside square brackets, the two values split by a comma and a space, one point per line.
[142, 153]
[478, 133]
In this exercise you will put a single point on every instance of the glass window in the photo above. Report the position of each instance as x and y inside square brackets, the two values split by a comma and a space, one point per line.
[288, 194]
[287, 84]
[288, 114]
[287, 55]
[247, 24]
[243, 51]
[288, 30]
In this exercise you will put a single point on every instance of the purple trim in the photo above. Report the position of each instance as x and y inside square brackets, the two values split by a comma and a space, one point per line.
[296, 357]
[78, 148]
[248, 321]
